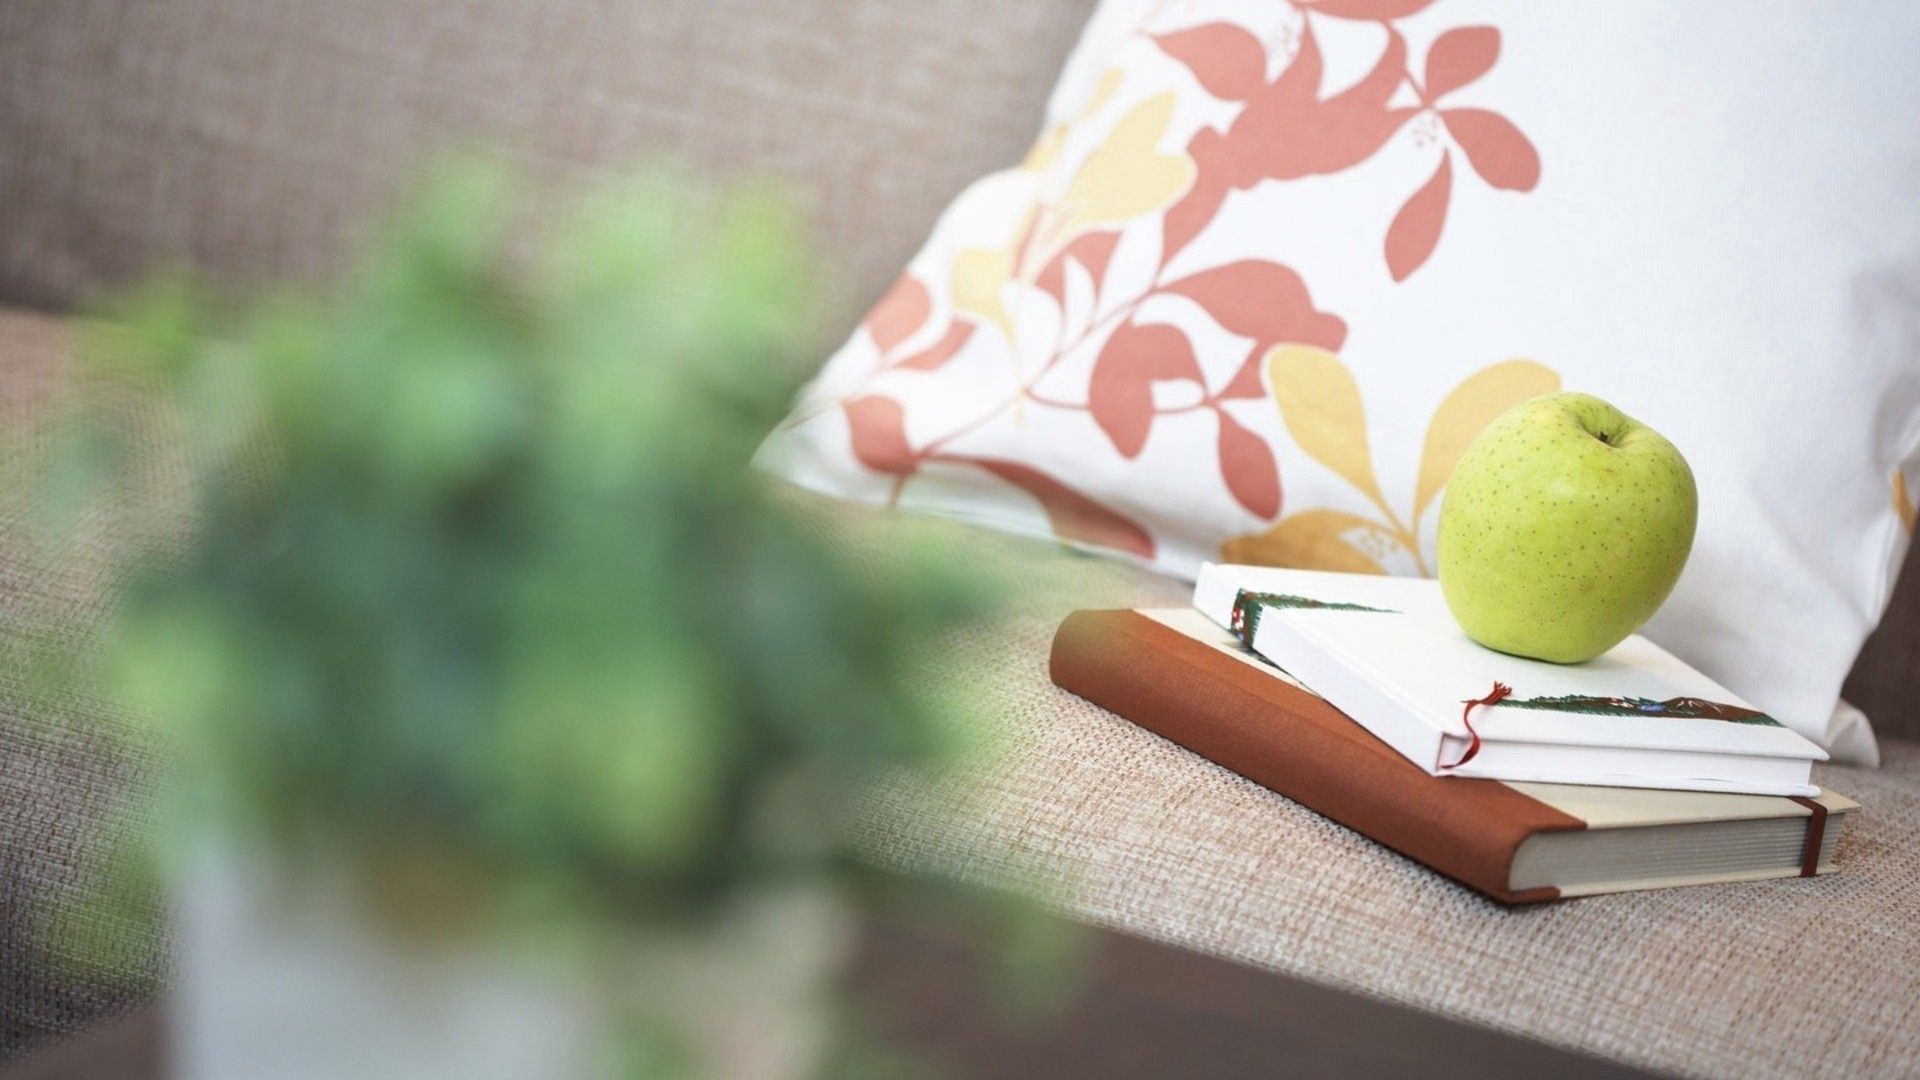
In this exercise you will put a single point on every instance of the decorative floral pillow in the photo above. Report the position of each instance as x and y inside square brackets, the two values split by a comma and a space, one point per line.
[1273, 263]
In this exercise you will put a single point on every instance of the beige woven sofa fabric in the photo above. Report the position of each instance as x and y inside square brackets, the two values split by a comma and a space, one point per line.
[251, 138]
[1120, 827]
[61, 775]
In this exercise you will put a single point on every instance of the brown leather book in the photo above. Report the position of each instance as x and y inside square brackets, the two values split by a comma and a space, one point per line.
[1183, 678]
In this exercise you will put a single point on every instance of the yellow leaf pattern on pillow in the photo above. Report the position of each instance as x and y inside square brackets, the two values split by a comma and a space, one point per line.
[978, 275]
[1321, 539]
[1322, 409]
[1321, 406]
[1127, 175]
[1902, 503]
[1046, 149]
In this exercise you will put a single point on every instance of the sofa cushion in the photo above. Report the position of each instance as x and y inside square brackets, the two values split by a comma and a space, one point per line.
[1119, 827]
[62, 775]
[252, 139]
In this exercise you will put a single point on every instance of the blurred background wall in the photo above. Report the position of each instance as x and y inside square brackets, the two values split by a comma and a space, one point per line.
[251, 138]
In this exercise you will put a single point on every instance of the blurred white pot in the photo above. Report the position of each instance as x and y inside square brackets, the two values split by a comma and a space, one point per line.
[271, 981]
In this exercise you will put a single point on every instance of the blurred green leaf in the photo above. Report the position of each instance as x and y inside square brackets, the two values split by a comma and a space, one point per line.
[480, 587]
[479, 562]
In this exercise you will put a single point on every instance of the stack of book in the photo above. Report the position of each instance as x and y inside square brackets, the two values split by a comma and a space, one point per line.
[1360, 698]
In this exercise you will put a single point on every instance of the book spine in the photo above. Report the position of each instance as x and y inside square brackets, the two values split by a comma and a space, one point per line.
[1253, 722]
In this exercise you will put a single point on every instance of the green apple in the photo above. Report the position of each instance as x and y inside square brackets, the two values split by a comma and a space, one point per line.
[1564, 527]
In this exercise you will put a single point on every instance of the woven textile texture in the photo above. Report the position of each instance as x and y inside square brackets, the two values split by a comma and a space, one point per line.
[251, 139]
[1117, 826]
[62, 776]
[1114, 825]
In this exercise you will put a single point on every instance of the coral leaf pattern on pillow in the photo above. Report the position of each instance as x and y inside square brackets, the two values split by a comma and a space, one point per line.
[1082, 313]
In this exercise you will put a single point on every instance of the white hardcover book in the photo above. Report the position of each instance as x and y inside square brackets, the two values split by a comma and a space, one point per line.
[1387, 652]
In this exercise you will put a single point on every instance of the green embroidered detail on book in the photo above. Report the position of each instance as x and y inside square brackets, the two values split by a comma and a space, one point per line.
[1688, 707]
[1248, 605]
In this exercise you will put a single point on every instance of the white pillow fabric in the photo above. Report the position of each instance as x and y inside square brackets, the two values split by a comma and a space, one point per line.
[1271, 264]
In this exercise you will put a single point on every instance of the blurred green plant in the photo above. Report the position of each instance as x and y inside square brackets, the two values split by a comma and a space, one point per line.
[481, 588]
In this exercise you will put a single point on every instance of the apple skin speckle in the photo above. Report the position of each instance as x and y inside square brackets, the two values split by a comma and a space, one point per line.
[1563, 528]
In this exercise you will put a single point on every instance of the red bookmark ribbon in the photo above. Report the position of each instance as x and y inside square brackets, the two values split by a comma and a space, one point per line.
[1494, 697]
[1816, 832]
